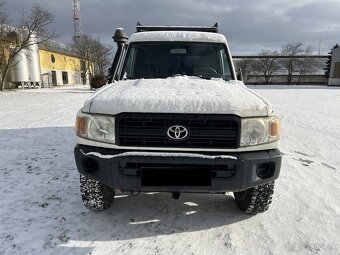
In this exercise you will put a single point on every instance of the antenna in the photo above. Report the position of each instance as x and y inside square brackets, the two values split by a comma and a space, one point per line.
[322, 39]
[78, 28]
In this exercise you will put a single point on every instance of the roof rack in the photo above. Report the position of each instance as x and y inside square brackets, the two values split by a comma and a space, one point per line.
[140, 28]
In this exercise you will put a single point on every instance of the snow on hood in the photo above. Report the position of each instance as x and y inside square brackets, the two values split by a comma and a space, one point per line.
[180, 94]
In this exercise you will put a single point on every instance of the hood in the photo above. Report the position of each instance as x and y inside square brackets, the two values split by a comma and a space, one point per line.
[180, 94]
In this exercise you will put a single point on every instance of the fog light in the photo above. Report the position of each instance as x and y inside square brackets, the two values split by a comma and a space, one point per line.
[265, 170]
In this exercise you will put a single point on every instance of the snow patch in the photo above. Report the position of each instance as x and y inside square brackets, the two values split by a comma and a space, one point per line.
[182, 94]
[178, 36]
[41, 211]
[156, 154]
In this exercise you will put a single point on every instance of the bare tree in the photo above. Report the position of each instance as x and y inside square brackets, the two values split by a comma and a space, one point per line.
[36, 23]
[290, 63]
[246, 65]
[94, 55]
[267, 64]
[84, 47]
[3, 44]
[305, 66]
[101, 57]
[3, 17]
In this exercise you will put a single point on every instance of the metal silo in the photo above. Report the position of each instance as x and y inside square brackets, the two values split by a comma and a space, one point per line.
[20, 70]
[33, 60]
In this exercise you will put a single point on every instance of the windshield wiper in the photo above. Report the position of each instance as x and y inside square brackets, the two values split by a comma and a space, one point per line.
[202, 77]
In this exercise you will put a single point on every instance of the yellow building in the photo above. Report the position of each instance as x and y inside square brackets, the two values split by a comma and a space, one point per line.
[5, 46]
[59, 66]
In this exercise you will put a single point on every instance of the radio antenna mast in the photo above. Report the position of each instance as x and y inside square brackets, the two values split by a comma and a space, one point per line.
[78, 28]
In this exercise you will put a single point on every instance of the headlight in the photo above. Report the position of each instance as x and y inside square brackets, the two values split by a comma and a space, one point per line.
[96, 127]
[256, 131]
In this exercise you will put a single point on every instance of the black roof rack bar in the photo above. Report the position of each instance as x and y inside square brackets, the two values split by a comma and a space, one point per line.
[140, 28]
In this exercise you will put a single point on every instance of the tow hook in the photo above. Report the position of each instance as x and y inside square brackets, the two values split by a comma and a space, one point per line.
[176, 195]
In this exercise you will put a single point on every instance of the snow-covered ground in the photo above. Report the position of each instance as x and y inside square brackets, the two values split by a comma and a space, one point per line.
[41, 211]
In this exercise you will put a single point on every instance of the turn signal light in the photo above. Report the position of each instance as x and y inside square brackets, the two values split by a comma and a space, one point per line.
[275, 127]
[81, 125]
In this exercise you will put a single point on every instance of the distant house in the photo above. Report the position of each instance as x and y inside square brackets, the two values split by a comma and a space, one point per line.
[334, 74]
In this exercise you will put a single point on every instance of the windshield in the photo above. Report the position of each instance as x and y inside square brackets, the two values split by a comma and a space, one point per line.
[166, 59]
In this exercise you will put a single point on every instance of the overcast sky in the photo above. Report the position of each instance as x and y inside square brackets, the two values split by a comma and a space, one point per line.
[248, 25]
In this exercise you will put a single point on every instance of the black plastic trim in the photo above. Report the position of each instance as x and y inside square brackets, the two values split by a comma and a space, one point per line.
[206, 131]
[141, 28]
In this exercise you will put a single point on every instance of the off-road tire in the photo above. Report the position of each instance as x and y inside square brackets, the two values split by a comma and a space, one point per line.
[255, 200]
[96, 195]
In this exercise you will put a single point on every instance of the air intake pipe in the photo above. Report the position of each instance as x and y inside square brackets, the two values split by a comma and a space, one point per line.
[120, 38]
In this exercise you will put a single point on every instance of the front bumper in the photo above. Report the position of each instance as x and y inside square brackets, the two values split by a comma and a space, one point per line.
[182, 172]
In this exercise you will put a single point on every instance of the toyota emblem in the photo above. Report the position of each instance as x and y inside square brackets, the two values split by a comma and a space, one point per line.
[177, 132]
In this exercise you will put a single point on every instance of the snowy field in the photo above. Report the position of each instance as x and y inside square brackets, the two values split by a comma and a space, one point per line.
[41, 211]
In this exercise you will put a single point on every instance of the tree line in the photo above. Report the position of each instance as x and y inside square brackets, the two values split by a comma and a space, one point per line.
[94, 55]
[268, 64]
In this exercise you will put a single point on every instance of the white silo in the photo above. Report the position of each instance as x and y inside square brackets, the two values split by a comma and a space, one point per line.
[33, 60]
[20, 71]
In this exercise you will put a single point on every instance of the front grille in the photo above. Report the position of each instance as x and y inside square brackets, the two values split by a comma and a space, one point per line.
[205, 130]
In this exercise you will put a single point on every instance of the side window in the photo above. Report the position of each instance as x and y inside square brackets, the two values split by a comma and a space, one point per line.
[130, 64]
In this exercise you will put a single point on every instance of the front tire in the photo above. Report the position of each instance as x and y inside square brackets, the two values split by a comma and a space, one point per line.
[255, 200]
[96, 195]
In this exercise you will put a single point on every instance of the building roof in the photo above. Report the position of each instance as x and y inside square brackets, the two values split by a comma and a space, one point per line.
[60, 48]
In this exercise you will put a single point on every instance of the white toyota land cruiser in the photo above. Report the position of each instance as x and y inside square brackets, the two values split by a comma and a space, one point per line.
[174, 118]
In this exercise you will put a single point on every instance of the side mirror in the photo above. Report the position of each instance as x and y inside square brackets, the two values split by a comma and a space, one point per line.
[239, 75]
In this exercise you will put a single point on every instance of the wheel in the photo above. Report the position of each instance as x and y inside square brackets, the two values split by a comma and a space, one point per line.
[96, 195]
[255, 200]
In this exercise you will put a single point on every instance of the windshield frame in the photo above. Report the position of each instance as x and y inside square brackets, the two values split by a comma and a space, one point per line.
[128, 51]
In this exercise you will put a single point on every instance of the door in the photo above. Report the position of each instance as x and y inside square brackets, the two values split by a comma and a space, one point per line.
[54, 78]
